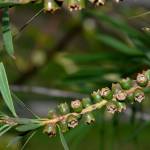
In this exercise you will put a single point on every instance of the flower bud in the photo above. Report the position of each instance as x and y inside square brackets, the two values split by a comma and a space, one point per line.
[141, 79]
[72, 121]
[121, 95]
[76, 106]
[111, 107]
[139, 96]
[121, 107]
[86, 102]
[63, 108]
[50, 6]
[96, 96]
[126, 84]
[50, 130]
[88, 118]
[106, 93]
[63, 126]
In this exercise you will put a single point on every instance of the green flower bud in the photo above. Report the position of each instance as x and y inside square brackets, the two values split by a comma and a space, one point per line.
[130, 98]
[88, 118]
[111, 107]
[141, 79]
[63, 108]
[50, 130]
[96, 96]
[126, 84]
[147, 74]
[52, 114]
[50, 6]
[86, 102]
[72, 121]
[98, 2]
[121, 96]
[139, 96]
[75, 4]
[121, 107]
[106, 93]
[63, 126]
[76, 106]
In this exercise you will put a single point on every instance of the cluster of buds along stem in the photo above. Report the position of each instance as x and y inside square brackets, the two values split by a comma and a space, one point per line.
[116, 98]
[53, 5]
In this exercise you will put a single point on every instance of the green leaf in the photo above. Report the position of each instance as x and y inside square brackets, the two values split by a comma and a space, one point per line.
[7, 36]
[4, 88]
[63, 141]
[5, 130]
[28, 127]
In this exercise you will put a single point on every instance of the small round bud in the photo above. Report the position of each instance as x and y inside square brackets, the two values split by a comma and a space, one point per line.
[121, 107]
[121, 96]
[96, 96]
[141, 79]
[111, 107]
[63, 126]
[76, 106]
[86, 102]
[106, 93]
[72, 121]
[139, 96]
[126, 84]
[50, 130]
[63, 108]
[88, 118]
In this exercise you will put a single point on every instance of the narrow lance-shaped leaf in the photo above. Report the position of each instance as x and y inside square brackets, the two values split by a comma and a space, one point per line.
[7, 35]
[4, 88]
[63, 141]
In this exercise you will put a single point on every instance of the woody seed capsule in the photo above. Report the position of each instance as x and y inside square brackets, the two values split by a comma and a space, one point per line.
[106, 93]
[111, 107]
[75, 4]
[98, 2]
[50, 130]
[141, 79]
[72, 121]
[88, 118]
[63, 108]
[63, 126]
[121, 107]
[76, 106]
[139, 96]
[86, 102]
[121, 96]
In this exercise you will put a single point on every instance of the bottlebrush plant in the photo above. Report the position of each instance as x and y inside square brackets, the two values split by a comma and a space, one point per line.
[66, 115]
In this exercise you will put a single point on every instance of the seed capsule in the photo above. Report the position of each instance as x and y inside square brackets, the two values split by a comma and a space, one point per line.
[106, 93]
[96, 96]
[63, 108]
[50, 130]
[75, 4]
[121, 96]
[98, 2]
[126, 84]
[88, 118]
[63, 126]
[141, 79]
[111, 107]
[86, 102]
[76, 106]
[72, 121]
[139, 96]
